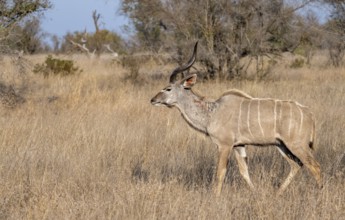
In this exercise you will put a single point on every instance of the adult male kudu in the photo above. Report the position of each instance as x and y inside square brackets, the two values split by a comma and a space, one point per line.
[236, 119]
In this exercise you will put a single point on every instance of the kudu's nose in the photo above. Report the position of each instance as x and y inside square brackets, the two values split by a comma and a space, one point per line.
[153, 101]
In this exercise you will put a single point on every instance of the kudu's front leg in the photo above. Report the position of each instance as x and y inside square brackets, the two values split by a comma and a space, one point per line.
[224, 154]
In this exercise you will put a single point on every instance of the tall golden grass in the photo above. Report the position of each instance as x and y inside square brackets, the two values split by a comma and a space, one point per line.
[101, 151]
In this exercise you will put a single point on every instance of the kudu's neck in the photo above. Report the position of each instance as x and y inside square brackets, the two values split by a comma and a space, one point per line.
[196, 110]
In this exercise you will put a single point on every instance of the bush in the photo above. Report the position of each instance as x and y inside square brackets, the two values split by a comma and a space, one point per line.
[9, 97]
[132, 65]
[55, 66]
[297, 63]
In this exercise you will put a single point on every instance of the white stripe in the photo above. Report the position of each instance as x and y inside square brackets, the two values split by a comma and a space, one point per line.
[290, 121]
[275, 117]
[262, 130]
[248, 116]
[239, 119]
[301, 125]
[280, 112]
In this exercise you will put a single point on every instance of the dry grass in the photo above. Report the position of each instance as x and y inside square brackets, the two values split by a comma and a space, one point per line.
[101, 151]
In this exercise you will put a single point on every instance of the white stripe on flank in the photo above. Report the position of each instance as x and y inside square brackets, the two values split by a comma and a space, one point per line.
[275, 117]
[259, 120]
[290, 121]
[280, 113]
[301, 125]
[239, 119]
[248, 117]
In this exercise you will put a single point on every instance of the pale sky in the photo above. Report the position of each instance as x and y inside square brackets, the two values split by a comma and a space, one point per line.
[76, 15]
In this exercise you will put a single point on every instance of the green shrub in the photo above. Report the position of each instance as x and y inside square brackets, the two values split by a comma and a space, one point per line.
[55, 66]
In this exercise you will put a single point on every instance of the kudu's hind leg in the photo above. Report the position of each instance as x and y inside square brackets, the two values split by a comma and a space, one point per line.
[307, 158]
[295, 166]
[241, 158]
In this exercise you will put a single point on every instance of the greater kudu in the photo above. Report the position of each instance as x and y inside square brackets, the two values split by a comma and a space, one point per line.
[236, 119]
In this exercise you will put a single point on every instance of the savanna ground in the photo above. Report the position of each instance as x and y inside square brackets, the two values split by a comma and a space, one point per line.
[92, 147]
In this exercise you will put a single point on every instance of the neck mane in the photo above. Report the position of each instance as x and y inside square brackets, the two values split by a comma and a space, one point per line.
[237, 93]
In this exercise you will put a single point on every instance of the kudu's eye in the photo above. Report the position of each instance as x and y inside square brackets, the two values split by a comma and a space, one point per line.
[168, 89]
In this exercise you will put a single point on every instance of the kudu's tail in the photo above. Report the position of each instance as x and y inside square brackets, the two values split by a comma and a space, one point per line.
[312, 136]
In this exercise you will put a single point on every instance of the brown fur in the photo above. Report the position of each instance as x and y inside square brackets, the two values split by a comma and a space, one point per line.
[237, 119]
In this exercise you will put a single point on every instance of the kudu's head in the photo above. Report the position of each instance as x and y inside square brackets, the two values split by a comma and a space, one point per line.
[177, 89]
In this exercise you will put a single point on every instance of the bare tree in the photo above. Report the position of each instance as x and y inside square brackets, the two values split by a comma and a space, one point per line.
[84, 49]
[12, 14]
[228, 30]
[95, 17]
[113, 53]
[146, 18]
[335, 41]
[93, 43]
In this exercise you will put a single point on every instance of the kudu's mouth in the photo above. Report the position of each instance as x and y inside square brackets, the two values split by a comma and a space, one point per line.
[158, 103]
[154, 102]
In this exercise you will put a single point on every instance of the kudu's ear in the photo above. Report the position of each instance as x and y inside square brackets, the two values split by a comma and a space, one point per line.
[189, 81]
